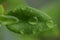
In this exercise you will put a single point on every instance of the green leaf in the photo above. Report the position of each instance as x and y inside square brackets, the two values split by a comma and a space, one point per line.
[31, 21]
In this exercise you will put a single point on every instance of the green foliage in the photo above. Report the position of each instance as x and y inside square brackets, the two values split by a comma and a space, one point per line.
[31, 22]
[1, 9]
[1, 1]
[26, 21]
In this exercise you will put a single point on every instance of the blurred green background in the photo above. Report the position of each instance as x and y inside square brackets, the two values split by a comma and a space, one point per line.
[51, 7]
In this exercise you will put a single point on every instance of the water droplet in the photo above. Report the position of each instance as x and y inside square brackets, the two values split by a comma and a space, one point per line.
[33, 21]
